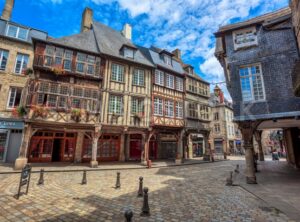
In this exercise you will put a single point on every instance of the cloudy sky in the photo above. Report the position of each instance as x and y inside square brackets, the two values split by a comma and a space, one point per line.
[185, 24]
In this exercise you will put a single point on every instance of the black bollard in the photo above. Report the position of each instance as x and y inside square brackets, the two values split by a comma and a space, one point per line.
[41, 180]
[237, 169]
[118, 183]
[229, 181]
[84, 181]
[145, 209]
[128, 215]
[140, 192]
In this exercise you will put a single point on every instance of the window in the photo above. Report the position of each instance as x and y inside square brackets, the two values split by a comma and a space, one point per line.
[68, 59]
[138, 77]
[158, 106]
[51, 101]
[169, 108]
[115, 104]
[192, 85]
[179, 84]
[3, 59]
[14, 97]
[216, 116]
[252, 83]
[168, 60]
[179, 109]
[21, 63]
[128, 53]
[170, 81]
[245, 38]
[217, 128]
[204, 112]
[193, 110]
[190, 70]
[159, 77]
[91, 65]
[137, 106]
[117, 73]
[17, 32]
[80, 63]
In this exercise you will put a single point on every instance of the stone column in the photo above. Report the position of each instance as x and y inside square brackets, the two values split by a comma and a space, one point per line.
[94, 162]
[257, 135]
[22, 160]
[247, 129]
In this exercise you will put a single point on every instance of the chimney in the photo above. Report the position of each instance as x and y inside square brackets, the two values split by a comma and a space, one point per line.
[7, 10]
[177, 53]
[87, 20]
[126, 32]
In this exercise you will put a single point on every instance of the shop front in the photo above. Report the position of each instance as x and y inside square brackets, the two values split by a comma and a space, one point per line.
[135, 146]
[167, 146]
[50, 146]
[11, 132]
[197, 145]
[218, 145]
[108, 148]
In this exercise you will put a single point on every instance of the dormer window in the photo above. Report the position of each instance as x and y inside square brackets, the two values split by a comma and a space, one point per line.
[245, 38]
[17, 32]
[168, 60]
[128, 53]
[190, 70]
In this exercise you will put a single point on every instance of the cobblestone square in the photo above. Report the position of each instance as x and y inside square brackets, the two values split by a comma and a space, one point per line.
[185, 193]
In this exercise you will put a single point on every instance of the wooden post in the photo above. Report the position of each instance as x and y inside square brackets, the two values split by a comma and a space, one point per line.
[96, 136]
[257, 135]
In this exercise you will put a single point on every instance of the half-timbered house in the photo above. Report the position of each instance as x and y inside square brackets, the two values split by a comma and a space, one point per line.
[167, 120]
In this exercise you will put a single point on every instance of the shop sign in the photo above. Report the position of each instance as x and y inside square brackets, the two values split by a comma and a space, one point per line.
[24, 180]
[11, 125]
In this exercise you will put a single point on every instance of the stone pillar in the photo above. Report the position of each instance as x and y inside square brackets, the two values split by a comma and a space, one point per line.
[247, 129]
[257, 135]
[22, 160]
[94, 162]
[78, 150]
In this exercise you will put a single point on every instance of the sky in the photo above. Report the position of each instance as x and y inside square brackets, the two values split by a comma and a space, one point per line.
[184, 24]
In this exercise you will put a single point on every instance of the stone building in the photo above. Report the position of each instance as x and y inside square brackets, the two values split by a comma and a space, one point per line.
[295, 6]
[197, 112]
[89, 98]
[16, 58]
[257, 56]
[225, 136]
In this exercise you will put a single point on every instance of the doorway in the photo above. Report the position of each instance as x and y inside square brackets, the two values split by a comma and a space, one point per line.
[56, 157]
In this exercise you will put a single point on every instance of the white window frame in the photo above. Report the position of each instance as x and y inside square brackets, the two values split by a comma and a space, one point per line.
[22, 63]
[1, 58]
[159, 78]
[139, 105]
[158, 106]
[120, 72]
[17, 33]
[9, 95]
[114, 100]
[169, 108]
[179, 110]
[250, 77]
[244, 32]
[170, 81]
[139, 76]
[168, 60]
[179, 84]
[128, 53]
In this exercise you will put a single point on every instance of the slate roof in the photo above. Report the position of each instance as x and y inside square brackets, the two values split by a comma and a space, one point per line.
[260, 19]
[111, 41]
[153, 55]
[85, 41]
[102, 39]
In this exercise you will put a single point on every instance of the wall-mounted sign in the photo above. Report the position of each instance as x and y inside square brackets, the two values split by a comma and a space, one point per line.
[11, 124]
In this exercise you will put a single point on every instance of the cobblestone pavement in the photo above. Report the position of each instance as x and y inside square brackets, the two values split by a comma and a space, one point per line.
[186, 193]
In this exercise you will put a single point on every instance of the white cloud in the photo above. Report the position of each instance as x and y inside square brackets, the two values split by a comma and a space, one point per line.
[189, 25]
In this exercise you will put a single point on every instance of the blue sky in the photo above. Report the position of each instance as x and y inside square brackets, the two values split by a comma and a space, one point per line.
[185, 24]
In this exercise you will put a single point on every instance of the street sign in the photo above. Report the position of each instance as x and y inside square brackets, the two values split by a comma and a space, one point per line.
[24, 180]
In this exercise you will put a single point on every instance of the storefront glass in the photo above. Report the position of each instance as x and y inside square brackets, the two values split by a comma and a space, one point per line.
[3, 142]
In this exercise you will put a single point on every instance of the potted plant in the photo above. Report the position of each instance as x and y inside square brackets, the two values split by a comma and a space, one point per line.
[76, 115]
[41, 111]
[19, 111]
[28, 71]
